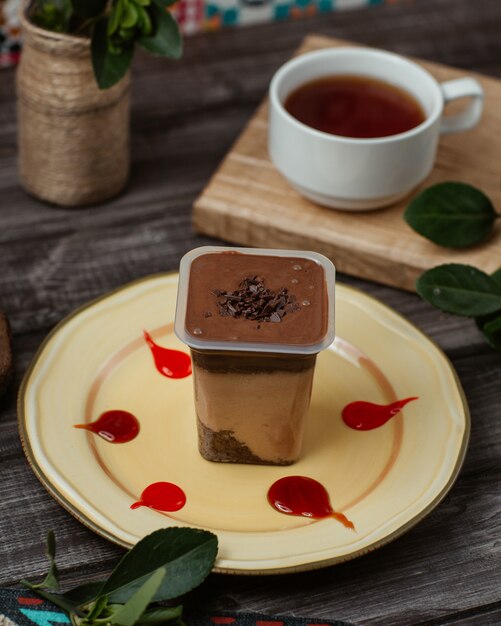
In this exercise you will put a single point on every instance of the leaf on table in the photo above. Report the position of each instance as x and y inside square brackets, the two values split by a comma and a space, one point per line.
[97, 609]
[50, 581]
[491, 330]
[490, 325]
[109, 66]
[166, 39]
[130, 612]
[84, 594]
[55, 598]
[497, 276]
[188, 555]
[455, 215]
[161, 615]
[460, 289]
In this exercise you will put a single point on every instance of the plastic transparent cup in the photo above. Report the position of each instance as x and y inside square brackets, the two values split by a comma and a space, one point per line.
[252, 397]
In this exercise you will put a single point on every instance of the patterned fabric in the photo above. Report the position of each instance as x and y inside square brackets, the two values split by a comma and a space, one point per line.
[23, 608]
[9, 32]
[195, 16]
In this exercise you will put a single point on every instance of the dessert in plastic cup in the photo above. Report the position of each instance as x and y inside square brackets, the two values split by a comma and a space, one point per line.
[254, 320]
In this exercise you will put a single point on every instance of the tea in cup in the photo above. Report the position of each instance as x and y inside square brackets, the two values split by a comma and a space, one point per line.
[357, 128]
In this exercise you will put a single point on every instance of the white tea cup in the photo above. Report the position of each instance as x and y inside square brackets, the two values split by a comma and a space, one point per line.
[360, 174]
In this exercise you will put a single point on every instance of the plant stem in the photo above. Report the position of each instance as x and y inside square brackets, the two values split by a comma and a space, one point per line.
[85, 24]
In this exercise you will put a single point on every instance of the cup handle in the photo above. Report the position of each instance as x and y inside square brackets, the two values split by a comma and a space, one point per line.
[462, 88]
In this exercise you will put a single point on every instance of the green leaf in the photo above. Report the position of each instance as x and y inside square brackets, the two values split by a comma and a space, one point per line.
[97, 609]
[491, 330]
[115, 17]
[84, 594]
[130, 15]
[88, 8]
[490, 325]
[51, 579]
[144, 21]
[132, 610]
[55, 598]
[166, 39]
[460, 289]
[51, 15]
[126, 34]
[159, 616]
[109, 67]
[497, 276]
[187, 554]
[454, 215]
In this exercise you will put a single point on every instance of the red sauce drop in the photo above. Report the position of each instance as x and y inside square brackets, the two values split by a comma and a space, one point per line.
[161, 497]
[114, 426]
[366, 415]
[299, 495]
[170, 363]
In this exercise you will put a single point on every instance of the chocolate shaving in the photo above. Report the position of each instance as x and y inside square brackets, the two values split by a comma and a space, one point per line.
[253, 301]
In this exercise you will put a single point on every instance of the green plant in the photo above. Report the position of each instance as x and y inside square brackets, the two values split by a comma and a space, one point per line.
[457, 215]
[162, 567]
[454, 215]
[114, 27]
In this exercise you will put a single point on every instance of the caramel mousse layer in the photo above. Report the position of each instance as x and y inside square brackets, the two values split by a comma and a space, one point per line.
[260, 421]
[214, 274]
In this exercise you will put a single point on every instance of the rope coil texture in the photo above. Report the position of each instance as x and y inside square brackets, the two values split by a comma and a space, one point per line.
[73, 138]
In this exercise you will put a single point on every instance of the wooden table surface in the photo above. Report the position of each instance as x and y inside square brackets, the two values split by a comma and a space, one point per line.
[185, 115]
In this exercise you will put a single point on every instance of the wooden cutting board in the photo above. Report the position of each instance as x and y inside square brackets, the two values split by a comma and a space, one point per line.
[248, 202]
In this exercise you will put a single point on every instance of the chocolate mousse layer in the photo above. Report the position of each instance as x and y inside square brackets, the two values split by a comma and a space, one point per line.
[252, 417]
[294, 285]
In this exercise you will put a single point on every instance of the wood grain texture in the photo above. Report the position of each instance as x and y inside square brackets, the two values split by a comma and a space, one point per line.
[5, 354]
[185, 117]
[249, 202]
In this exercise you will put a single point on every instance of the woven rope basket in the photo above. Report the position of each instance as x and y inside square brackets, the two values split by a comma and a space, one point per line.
[73, 138]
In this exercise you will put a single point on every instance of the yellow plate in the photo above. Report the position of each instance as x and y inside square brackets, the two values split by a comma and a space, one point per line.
[384, 480]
